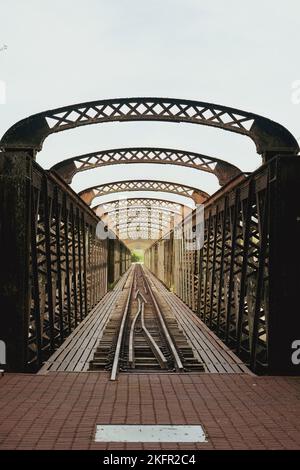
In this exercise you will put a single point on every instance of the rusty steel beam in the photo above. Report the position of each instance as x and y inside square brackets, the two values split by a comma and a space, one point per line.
[270, 138]
[244, 281]
[197, 195]
[223, 170]
[137, 211]
[54, 266]
[141, 213]
[136, 203]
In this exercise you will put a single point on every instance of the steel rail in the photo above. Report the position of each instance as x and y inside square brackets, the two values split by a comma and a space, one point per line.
[144, 285]
[138, 292]
[131, 335]
[178, 362]
[115, 366]
[163, 362]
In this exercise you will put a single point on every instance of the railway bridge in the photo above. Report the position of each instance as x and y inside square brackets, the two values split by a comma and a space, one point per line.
[211, 313]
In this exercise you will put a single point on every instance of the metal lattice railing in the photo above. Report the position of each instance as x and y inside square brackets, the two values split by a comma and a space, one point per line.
[239, 282]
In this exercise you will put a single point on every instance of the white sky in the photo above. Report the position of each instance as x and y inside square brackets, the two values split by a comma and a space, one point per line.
[244, 55]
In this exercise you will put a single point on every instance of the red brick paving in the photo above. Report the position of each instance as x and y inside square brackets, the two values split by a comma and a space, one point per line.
[60, 410]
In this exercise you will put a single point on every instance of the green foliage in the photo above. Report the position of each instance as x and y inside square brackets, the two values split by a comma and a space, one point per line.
[137, 256]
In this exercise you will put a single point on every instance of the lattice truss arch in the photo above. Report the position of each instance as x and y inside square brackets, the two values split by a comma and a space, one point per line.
[269, 137]
[136, 212]
[89, 194]
[136, 224]
[145, 230]
[223, 170]
[156, 212]
[132, 219]
[136, 203]
[144, 233]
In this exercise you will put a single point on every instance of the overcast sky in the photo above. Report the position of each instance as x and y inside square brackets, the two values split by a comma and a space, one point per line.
[240, 54]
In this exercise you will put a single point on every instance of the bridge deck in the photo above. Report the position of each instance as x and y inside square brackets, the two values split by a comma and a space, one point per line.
[77, 351]
[217, 357]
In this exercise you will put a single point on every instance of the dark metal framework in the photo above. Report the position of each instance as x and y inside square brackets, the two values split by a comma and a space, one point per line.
[234, 269]
[268, 136]
[136, 203]
[242, 283]
[223, 170]
[145, 233]
[62, 263]
[141, 224]
[141, 214]
[68, 266]
[89, 194]
[155, 221]
[115, 224]
[138, 213]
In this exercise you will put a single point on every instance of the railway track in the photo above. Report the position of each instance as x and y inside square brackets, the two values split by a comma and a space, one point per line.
[142, 334]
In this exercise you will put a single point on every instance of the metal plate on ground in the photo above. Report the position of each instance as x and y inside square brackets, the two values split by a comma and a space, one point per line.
[149, 433]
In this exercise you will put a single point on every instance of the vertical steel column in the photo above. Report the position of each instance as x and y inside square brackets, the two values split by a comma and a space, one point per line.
[284, 269]
[68, 268]
[59, 261]
[79, 257]
[15, 290]
[233, 218]
[74, 265]
[48, 219]
[84, 247]
[213, 273]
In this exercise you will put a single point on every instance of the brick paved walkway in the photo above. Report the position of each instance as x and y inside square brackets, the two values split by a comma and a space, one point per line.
[60, 410]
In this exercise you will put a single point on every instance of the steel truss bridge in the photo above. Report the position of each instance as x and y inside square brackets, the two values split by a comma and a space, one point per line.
[243, 282]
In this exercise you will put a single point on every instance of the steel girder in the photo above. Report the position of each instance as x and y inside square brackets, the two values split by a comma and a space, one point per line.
[223, 170]
[113, 215]
[152, 220]
[143, 185]
[145, 212]
[269, 137]
[151, 203]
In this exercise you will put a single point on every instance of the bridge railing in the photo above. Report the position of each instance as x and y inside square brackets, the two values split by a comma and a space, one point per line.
[53, 266]
[244, 282]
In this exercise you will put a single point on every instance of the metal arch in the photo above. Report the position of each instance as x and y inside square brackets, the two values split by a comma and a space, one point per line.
[269, 137]
[159, 221]
[144, 230]
[169, 221]
[144, 234]
[158, 218]
[137, 202]
[137, 209]
[133, 225]
[143, 185]
[140, 212]
[140, 209]
[143, 226]
[155, 219]
[223, 170]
